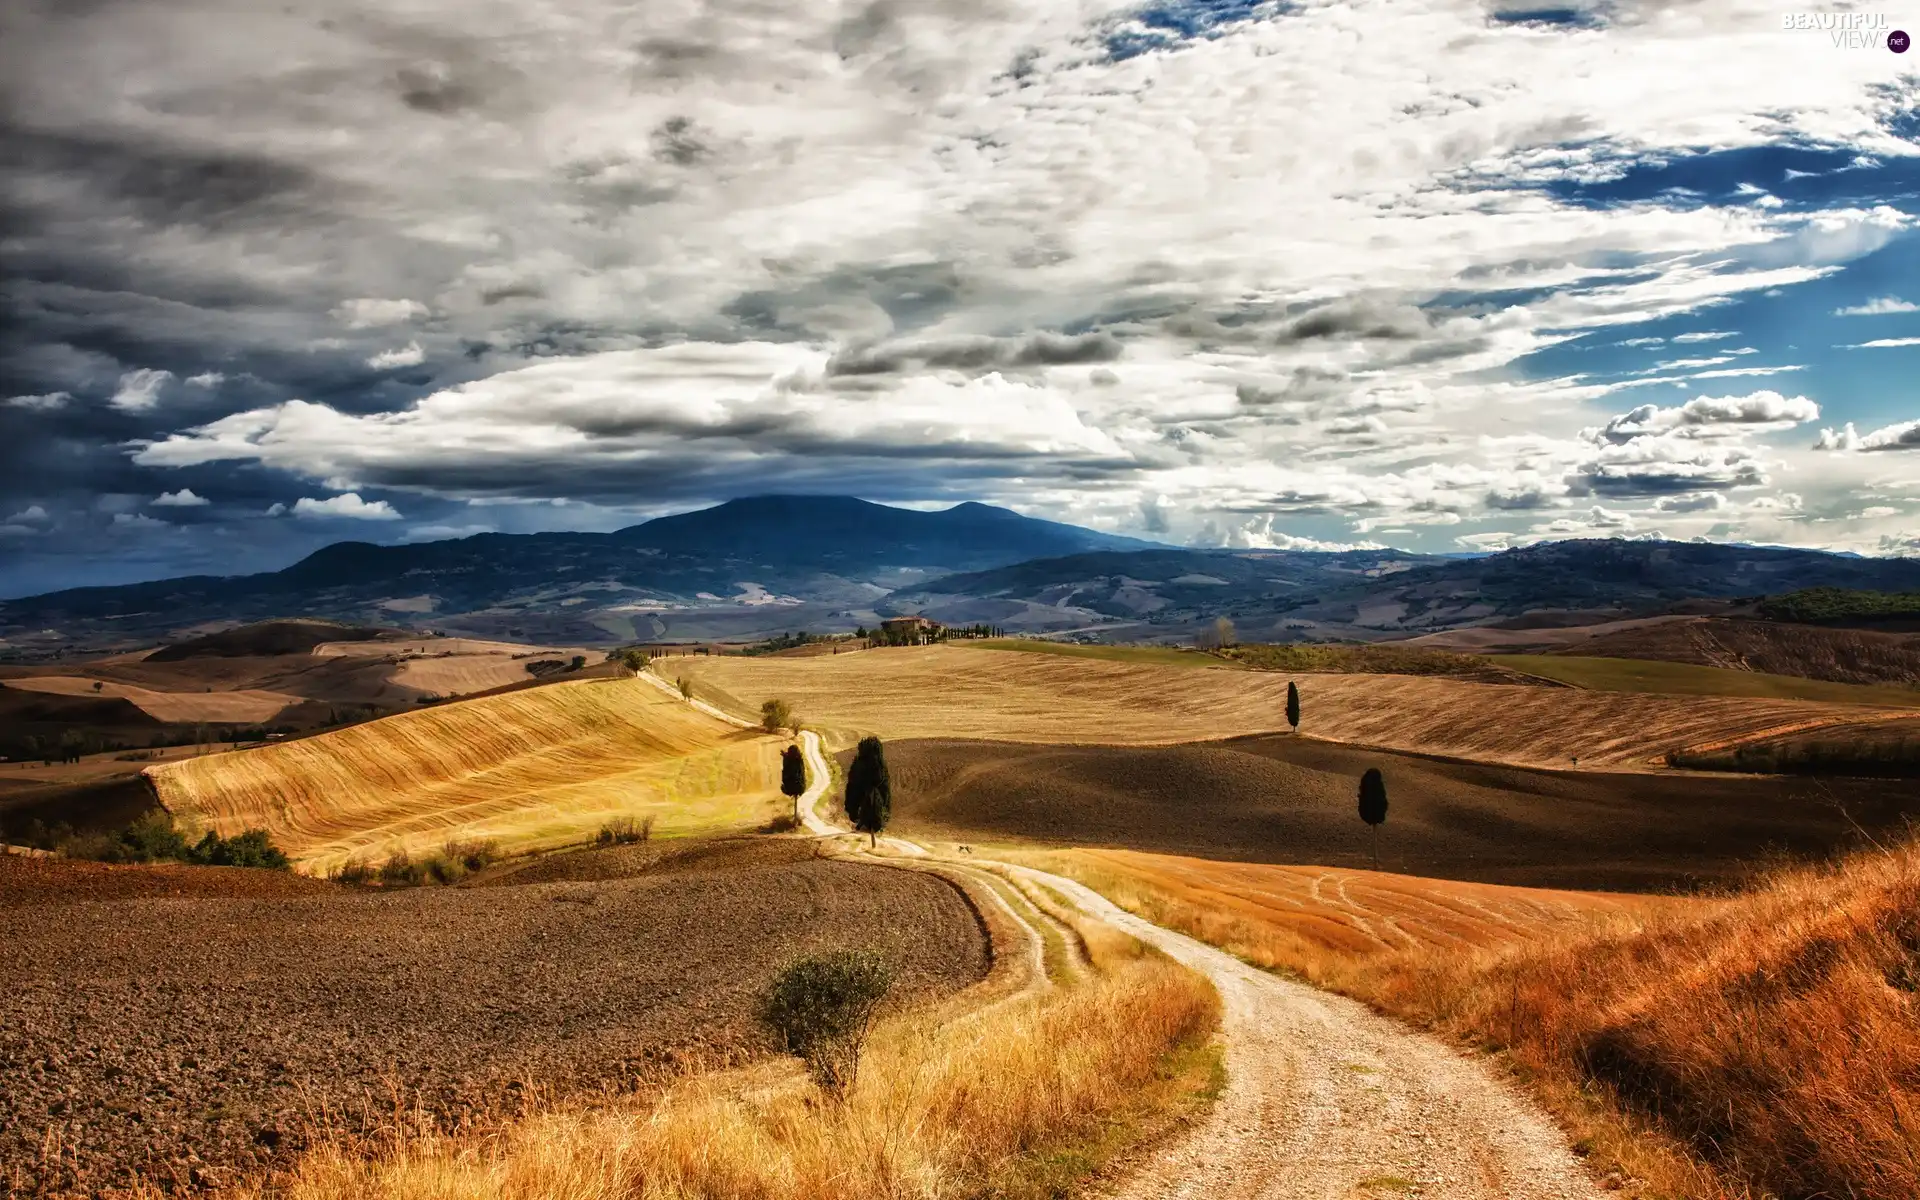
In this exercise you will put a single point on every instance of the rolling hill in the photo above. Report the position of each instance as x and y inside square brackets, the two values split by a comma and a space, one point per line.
[744, 568]
[950, 691]
[531, 768]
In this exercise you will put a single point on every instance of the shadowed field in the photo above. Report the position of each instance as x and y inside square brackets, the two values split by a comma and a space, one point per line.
[531, 768]
[1281, 799]
[951, 691]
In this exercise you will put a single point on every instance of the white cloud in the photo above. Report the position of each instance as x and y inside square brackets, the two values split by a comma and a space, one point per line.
[1699, 502]
[207, 379]
[138, 521]
[32, 514]
[1904, 436]
[140, 390]
[372, 313]
[47, 402]
[1880, 307]
[1707, 336]
[409, 355]
[184, 498]
[1710, 416]
[1885, 343]
[348, 505]
[276, 509]
[1875, 512]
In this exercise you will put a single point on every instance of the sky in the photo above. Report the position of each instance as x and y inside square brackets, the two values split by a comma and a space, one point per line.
[1448, 276]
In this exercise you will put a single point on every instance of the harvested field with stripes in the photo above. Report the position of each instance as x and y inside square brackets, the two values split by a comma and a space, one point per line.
[541, 767]
[950, 691]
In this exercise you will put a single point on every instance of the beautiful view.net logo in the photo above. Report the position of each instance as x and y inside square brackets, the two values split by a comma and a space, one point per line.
[1850, 30]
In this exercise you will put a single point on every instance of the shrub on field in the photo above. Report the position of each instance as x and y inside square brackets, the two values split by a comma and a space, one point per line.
[401, 871]
[775, 715]
[624, 831]
[458, 859]
[155, 838]
[822, 1008]
[355, 871]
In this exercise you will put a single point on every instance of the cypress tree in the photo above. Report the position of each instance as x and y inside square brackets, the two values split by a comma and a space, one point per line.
[1293, 705]
[869, 791]
[793, 776]
[1373, 806]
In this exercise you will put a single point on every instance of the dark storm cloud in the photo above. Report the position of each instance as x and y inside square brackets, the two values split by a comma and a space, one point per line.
[976, 354]
[164, 183]
[1357, 319]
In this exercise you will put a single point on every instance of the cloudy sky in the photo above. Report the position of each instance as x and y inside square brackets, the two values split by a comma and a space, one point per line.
[1440, 274]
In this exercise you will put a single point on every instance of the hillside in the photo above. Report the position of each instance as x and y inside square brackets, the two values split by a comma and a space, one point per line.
[1274, 595]
[267, 638]
[1283, 799]
[530, 768]
[951, 691]
[748, 567]
[1769, 647]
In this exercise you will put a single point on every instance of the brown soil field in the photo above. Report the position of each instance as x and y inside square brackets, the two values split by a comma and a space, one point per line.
[948, 691]
[433, 647]
[534, 768]
[1284, 799]
[1773, 647]
[100, 804]
[194, 1038]
[248, 707]
[267, 638]
[1477, 638]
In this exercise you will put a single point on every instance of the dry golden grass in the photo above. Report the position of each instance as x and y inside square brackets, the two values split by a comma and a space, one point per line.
[248, 707]
[462, 673]
[1018, 1101]
[541, 767]
[1764, 1044]
[1278, 916]
[952, 691]
[457, 646]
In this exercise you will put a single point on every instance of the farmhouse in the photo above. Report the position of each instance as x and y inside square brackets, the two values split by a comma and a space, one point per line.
[909, 631]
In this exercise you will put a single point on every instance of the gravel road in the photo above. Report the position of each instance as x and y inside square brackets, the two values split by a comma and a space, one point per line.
[151, 1024]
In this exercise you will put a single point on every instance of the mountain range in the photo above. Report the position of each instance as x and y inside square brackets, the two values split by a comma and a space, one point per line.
[753, 567]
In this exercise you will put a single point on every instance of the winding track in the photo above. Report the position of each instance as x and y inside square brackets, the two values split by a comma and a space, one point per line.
[1324, 1099]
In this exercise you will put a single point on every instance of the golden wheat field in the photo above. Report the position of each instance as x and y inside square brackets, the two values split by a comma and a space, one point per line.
[952, 691]
[247, 707]
[1254, 909]
[540, 767]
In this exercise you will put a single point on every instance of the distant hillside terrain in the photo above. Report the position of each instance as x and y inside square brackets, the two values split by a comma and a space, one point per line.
[1280, 596]
[745, 569]
[1771, 647]
[1841, 606]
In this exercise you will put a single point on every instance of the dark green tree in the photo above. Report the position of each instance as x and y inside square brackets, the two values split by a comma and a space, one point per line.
[793, 776]
[869, 791]
[1293, 705]
[1373, 806]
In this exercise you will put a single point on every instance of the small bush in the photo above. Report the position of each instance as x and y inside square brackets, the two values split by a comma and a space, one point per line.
[624, 831]
[457, 860]
[775, 715]
[251, 848]
[822, 1008]
[155, 838]
[357, 871]
[401, 871]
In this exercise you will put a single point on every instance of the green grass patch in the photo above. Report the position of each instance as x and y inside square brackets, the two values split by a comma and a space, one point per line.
[1686, 679]
[1162, 655]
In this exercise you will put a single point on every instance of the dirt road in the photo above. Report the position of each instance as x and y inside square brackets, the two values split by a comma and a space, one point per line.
[1324, 1099]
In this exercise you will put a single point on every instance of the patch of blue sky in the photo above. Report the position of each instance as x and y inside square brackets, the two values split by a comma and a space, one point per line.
[1169, 24]
[1799, 326]
[1558, 17]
